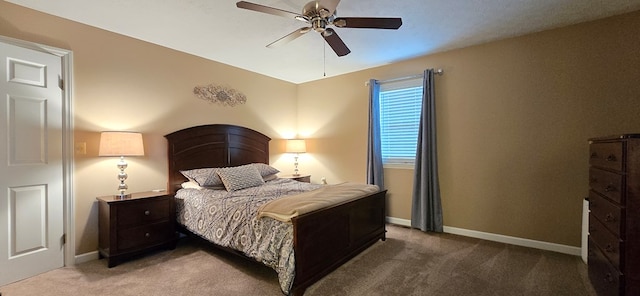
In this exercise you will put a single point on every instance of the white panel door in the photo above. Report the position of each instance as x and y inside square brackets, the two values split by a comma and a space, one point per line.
[31, 168]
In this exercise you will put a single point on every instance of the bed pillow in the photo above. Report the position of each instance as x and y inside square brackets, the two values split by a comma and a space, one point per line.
[240, 177]
[207, 177]
[270, 177]
[265, 170]
[190, 185]
[194, 185]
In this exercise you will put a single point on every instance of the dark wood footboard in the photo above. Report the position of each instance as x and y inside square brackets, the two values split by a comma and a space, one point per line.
[328, 238]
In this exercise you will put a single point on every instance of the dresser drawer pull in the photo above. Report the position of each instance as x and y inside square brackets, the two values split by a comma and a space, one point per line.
[610, 218]
[609, 248]
[147, 234]
[608, 278]
[147, 213]
[612, 158]
[609, 188]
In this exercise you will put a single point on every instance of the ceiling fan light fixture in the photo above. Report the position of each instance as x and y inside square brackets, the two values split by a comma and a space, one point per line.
[319, 24]
[302, 18]
[324, 13]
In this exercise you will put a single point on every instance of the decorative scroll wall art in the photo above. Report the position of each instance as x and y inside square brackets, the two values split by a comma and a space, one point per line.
[219, 94]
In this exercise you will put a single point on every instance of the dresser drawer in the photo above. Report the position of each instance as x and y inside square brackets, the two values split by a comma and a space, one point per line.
[605, 278]
[144, 211]
[608, 213]
[609, 243]
[606, 155]
[607, 183]
[144, 236]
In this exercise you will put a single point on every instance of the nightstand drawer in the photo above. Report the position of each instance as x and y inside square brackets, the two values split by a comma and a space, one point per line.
[136, 224]
[143, 212]
[144, 236]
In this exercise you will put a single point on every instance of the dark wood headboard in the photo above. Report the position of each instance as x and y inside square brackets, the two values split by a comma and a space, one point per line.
[211, 146]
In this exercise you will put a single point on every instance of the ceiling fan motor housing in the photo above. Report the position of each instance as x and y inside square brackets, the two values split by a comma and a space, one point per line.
[318, 16]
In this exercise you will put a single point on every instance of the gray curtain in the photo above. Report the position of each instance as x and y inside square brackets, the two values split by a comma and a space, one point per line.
[426, 209]
[375, 173]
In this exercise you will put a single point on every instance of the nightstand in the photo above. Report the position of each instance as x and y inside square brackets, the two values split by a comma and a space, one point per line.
[299, 178]
[135, 225]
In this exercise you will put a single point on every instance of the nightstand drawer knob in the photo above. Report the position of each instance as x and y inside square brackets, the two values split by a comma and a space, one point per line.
[147, 234]
[147, 212]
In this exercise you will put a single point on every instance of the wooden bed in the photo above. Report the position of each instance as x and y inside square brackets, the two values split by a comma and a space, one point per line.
[323, 239]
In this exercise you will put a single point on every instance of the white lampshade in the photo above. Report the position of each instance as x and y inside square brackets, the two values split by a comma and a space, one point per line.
[296, 146]
[121, 144]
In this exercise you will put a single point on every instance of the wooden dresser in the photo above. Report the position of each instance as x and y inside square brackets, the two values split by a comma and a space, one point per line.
[134, 225]
[614, 214]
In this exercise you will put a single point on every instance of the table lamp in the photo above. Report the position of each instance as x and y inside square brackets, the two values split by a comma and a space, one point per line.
[296, 146]
[121, 144]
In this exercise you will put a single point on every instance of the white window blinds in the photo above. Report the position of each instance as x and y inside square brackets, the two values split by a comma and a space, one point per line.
[400, 105]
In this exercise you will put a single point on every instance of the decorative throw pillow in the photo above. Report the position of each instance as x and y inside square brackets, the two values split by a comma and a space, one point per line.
[241, 177]
[206, 177]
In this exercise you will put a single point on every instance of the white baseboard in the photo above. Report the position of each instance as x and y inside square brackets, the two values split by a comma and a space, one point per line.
[576, 251]
[398, 221]
[86, 257]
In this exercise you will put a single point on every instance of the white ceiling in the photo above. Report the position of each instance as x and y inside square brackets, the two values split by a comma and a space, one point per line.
[217, 30]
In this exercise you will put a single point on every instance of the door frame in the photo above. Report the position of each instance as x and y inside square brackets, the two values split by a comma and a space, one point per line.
[66, 57]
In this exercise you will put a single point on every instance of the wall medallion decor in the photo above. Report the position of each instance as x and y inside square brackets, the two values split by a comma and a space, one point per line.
[220, 94]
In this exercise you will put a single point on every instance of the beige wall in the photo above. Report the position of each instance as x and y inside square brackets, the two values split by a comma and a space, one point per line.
[513, 120]
[122, 83]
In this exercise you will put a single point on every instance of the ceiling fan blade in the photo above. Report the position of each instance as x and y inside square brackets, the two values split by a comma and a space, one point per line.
[368, 22]
[335, 42]
[269, 10]
[290, 37]
[330, 5]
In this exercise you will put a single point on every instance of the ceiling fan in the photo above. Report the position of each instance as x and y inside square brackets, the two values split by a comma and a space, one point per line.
[320, 14]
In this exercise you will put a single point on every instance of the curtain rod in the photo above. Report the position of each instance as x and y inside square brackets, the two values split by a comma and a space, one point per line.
[435, 72]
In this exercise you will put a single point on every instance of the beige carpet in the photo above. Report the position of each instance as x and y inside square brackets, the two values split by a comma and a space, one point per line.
[409, 262]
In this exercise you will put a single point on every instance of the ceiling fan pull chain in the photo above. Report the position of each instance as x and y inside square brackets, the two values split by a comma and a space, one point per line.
[324, 59]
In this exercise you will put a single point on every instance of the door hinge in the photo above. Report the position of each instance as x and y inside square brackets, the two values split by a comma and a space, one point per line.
[61, 83]
[63, 239]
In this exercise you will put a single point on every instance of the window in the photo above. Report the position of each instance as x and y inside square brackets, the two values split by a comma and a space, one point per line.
[400, 105]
